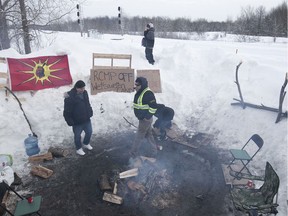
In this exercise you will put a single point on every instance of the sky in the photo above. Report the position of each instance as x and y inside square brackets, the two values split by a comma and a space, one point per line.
[211, 10]
[197, 79]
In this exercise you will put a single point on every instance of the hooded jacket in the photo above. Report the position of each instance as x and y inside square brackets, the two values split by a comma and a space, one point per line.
[77, 109]
[150, 37]
[147, 99]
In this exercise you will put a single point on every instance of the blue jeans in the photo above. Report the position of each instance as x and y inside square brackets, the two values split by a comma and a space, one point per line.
[77, 130]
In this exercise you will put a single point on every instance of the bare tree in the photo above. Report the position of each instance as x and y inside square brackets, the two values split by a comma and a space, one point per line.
[6, 9]
[25, 19]
[25, 28]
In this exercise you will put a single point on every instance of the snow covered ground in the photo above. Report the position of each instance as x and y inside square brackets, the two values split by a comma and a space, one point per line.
[197, 81]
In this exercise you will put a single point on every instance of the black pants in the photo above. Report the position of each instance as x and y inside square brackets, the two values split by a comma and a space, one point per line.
[149, 55]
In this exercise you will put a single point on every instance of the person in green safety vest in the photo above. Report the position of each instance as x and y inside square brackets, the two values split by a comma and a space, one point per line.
[145, 107]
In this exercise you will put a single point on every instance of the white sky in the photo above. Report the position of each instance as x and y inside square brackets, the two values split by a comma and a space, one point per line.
[197, 79]
[212, 10]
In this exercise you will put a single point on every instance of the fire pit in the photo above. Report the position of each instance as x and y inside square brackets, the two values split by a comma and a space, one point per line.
[182, 181]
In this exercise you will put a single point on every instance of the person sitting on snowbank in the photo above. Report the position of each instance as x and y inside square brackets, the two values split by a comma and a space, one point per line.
[164, 116]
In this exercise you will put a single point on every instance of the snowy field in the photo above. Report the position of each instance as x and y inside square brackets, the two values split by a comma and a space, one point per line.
[197, 78]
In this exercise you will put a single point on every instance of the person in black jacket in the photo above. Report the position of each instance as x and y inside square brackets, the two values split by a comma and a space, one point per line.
[164, 116]
[149, 35]
[144, 108]
[77, 113]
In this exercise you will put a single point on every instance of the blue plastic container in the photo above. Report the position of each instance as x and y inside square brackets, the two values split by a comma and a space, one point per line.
[31, 145]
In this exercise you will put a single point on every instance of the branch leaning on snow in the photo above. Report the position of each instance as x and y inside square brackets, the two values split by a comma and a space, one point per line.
[129, 122]
[22, 111]
[281, 99]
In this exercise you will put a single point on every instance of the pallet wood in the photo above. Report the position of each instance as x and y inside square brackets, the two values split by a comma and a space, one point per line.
[40, 158]
[41, 171]
[112, 57]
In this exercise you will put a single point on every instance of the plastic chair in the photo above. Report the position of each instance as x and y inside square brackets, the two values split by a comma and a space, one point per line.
[247, 152]
[23, 207]
[256, 201]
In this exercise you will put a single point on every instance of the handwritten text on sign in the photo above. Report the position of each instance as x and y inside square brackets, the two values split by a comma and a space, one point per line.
[118, 80]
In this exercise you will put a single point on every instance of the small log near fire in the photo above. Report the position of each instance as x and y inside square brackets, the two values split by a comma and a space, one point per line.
[244, 104]
[58, 152]
[41, 171]
[40, 158]
[104, 183]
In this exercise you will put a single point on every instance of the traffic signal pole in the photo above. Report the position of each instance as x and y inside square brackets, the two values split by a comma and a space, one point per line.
[119, 20]
[80, 20]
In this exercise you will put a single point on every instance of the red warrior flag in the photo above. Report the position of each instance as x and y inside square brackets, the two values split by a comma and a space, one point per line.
[39, 72]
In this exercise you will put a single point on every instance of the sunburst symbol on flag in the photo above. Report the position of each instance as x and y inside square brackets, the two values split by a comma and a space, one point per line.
[41, 71]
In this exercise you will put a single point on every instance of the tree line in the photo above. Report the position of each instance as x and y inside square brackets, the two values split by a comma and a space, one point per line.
[21, 21]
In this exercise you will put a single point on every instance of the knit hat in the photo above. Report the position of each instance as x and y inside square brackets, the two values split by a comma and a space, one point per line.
[150, 25]
[79, 84]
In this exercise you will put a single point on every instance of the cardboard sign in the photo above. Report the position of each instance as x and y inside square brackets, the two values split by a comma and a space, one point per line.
[153, 77]
[118, 80]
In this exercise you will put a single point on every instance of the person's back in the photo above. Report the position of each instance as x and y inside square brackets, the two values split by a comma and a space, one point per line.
[149, 35]
[164, 116]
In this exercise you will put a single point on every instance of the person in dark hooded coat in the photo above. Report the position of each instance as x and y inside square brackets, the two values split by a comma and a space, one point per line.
[144, 108]
[149, 35]
[77, 113]
[164, 116]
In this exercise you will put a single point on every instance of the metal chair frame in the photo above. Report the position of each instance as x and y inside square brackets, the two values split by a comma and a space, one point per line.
[243, 156]
[22, 200]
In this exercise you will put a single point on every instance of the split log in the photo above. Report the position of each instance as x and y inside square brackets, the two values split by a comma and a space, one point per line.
[115, 188]
[42, 157]
[58, 152]
[104, 183]
[113, 198]
[41, 171]
[129, 173]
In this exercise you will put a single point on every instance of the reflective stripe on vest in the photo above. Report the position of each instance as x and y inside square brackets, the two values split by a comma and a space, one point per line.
[139, 104]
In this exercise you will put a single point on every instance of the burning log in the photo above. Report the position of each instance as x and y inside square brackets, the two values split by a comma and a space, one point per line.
[152, 160]
[128, 173]
[135, 186]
